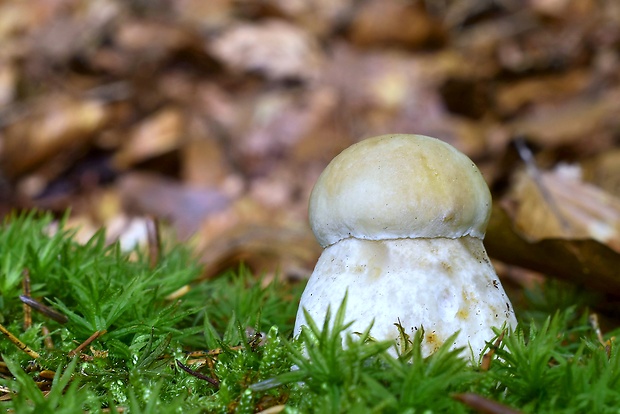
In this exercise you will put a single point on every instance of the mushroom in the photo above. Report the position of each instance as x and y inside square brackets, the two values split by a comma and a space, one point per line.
[402, 218]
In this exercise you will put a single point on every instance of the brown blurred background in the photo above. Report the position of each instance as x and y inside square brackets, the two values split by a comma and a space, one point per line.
[218, 116]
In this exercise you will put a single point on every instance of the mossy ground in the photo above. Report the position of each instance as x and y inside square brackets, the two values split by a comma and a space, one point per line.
[225, 344]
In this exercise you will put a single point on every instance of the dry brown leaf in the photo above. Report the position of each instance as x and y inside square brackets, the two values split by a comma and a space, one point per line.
[157, 135]
[70, 34]
[386, 92]
[264, 249]
[603, 171]
[550, 7]
[394, 22]
[561, 226]
[562, 206]
[319, 17]
[154, 38]
[278, 122]
[18, 18]
[252, 234]
[555, 88]
[185, 207]
[209, 15]
[585, 262]
[576, 120]
[276, 49]
[58, 123]
[204, 162]
[8, 82]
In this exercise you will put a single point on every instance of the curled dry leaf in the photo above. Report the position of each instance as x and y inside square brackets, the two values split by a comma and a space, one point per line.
[569, 229]
[561, 205]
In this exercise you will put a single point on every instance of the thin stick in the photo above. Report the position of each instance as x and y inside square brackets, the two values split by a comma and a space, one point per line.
[87, 342]
[18, 343]
[483, 405]
[198, 375]
[47, 339]
[26, 290]
[154, 239]
[45, 310]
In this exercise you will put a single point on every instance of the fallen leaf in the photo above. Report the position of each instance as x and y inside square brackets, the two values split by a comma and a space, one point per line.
[276, 49]
[558, 204]
[394, 23]
[587, 263]
[578, 119]
[185, 207]
[603, 171]
[55, 124]
[157, 135]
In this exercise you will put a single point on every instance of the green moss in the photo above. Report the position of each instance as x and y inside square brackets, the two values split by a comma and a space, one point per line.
[235, 330]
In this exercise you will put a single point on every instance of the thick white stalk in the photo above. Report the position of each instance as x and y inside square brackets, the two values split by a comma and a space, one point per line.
[445, 285]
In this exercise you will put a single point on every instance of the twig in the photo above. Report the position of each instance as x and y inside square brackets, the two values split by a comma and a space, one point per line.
[198, 375]
[19, 343]
[46, 310]
[483, 405]
[26, 290]
[87, 342]
[152, 231]
[47, 339]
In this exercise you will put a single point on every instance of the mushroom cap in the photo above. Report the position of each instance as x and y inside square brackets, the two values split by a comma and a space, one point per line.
[399, 186]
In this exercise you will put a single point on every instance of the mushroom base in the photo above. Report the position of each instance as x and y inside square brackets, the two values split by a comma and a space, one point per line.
[444, 285]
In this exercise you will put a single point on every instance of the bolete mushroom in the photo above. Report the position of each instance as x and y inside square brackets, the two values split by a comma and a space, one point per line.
[402, 218]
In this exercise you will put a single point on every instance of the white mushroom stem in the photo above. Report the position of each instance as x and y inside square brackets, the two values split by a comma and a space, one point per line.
[445, 285]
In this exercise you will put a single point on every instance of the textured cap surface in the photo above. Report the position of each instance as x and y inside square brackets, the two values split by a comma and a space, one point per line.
[399, 186]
